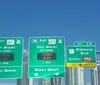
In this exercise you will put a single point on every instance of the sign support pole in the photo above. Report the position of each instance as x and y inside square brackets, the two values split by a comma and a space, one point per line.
[57, 81]
[31, 81]
[24, 80]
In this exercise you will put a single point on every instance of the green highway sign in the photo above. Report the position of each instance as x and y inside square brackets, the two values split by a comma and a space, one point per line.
[84, 56]
[46, 57]
[11, 57]
[84, 43]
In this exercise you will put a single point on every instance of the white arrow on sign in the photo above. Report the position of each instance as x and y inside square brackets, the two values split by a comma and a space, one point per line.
[57, 74]
[36, 74]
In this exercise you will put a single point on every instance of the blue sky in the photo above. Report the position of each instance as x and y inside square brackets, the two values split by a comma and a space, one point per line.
[76, 20]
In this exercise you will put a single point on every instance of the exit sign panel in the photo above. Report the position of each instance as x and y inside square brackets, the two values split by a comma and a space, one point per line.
[11, 57]
[84, 43]
[81, 55]
[46, 57]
